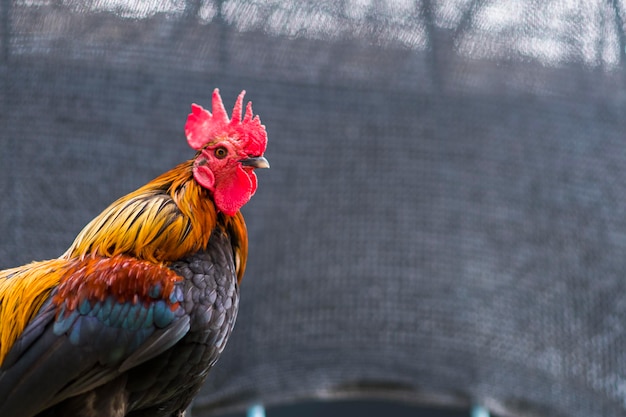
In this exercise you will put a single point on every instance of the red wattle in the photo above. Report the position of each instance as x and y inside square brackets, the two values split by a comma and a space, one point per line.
[233, 191]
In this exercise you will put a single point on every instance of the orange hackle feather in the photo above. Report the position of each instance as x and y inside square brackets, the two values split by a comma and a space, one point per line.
[23, 291]
[162, 221]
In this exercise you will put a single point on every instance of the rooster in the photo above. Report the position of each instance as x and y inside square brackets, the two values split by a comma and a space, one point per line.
[129, 320]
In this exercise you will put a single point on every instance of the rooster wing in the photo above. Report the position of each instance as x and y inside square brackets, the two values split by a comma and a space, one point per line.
[89, 351]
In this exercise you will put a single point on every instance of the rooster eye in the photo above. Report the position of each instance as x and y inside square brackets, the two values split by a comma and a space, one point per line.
[221, 152]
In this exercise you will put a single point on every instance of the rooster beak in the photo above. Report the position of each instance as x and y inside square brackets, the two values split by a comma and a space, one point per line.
[256, 162]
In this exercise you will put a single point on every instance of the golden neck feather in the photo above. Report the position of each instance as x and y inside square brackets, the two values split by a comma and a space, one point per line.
[164, 220]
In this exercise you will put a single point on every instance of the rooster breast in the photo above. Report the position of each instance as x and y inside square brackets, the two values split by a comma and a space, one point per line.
[210, 291]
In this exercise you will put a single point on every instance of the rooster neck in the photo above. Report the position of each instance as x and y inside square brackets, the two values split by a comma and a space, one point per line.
[165, 220]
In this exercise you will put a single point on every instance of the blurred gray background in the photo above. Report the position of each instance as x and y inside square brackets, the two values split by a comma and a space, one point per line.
[444, 220]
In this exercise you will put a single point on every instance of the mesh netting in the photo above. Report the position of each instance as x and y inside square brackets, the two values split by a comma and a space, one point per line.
[445, 216]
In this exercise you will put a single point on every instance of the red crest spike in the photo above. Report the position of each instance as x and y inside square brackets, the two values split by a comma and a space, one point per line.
[248, 115]
[219, 112]
[236, 118]
[204, 127]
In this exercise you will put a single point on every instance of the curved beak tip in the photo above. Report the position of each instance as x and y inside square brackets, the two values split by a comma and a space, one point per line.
[256, 162]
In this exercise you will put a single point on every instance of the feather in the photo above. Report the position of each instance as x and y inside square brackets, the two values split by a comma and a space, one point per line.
[171, 212]
[22, 293]
[157, 343]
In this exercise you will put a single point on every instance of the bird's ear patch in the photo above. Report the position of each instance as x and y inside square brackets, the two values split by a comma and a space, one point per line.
[203, 174]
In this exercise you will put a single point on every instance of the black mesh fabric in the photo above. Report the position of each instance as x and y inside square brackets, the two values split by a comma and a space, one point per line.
[445, 217]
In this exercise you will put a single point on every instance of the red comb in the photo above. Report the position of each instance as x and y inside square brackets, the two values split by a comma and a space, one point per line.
[202, 127]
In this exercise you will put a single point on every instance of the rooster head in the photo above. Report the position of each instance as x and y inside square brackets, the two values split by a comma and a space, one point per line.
[228, 151]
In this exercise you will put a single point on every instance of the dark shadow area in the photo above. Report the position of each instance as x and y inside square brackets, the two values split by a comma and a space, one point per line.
[369, 408]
